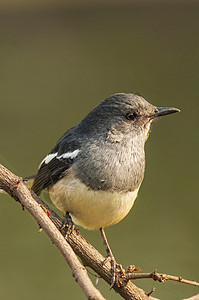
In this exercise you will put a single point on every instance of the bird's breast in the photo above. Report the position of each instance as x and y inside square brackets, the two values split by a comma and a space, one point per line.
[91, 209]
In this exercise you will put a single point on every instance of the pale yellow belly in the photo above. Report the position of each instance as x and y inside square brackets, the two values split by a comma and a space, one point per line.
[90, 209]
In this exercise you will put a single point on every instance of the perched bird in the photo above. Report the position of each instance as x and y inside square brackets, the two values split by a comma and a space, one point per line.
[95, 169]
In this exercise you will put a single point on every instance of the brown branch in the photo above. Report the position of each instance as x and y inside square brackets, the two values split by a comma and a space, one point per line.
[160, 277]
[16, 187]
[20, 191]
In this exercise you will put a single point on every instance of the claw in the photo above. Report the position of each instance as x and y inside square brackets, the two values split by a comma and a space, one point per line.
[67, 223]
[114, 266]
[113, 270]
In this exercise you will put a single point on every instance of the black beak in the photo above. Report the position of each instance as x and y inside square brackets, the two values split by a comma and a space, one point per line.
[163, 111]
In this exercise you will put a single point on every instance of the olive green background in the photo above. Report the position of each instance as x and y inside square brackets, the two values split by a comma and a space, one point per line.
[57, 61]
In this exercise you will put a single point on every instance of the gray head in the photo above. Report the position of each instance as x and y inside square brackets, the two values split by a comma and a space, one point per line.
[122, 114]
[114, 135]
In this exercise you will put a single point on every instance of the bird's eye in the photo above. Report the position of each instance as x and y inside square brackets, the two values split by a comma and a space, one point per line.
[131, 116]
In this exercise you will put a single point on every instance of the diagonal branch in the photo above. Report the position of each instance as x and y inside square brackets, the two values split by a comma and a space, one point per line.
[19, 191]
[74, 243]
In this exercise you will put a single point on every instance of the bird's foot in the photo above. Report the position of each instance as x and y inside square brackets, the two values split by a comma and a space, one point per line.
[116, 269]
[67, 223]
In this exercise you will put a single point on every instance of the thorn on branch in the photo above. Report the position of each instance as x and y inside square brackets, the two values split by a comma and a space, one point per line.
[132, 268]
[40, 229]
[152, 291]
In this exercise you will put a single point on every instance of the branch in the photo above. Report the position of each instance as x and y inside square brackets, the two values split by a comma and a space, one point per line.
[160, 277]
[19, 191]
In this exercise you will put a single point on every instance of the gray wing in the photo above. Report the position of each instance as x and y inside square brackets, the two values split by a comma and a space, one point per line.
[60, 159]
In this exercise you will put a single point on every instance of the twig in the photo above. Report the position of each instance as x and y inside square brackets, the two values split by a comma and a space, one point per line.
[152, 291]
[160, 277]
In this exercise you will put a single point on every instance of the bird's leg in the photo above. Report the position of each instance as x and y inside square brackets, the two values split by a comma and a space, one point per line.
[67, 221]
[110, 258]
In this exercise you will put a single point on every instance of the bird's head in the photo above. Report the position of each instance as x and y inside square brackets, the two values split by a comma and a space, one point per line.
[123, 114]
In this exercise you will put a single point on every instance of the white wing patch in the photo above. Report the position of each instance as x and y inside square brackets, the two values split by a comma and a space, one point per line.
[49, 157]
[70, 155]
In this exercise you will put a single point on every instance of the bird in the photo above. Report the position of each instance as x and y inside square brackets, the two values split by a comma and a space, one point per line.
[94, 171]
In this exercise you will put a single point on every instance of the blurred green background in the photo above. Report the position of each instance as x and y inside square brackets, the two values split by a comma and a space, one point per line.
[59, 59]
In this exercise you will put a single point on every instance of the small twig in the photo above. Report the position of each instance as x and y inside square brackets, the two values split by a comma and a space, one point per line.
[152, 291]
[159, 277]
